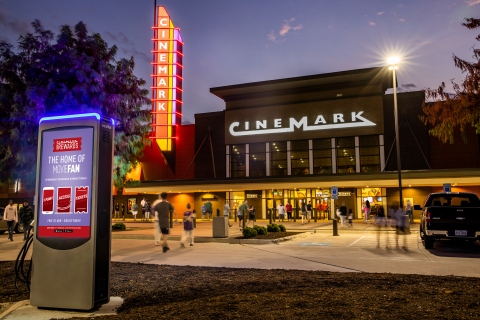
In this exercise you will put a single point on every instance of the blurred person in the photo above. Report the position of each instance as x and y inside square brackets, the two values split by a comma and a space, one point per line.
[303, 209]
[380, 222]
[11, 217]
[241, 213]
[309, 211]
[143, 204]
[251, 213]
[188, 229]
[350, 218]
[281, 211]
[164, 209]
[135, 211]
[343, 213]
[156, 224]
[123, 211]
[117, 212]
[26, 217]
[408, 210]
[208, 209]
[226, 212]
[288, 208]
[147, 210]
[367, 206]
[204, 211]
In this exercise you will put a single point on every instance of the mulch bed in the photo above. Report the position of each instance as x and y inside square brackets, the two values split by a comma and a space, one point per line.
[174, 292]
[271, 235]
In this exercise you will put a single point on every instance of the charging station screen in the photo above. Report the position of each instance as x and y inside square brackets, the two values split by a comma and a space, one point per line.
[66, 183]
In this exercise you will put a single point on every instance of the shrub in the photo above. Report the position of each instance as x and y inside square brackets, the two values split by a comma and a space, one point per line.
[260, 230]
[282, 228]
[119, 226]
[273, 228]
[249, 232]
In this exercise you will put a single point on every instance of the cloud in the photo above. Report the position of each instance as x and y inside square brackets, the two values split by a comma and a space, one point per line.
[372, 23]
[380, 13]
[119, 38]
[400, 5]
[402, 20]
[14, 24]
[472, 2]
[330, 27]
[136, 54]
[286, 27]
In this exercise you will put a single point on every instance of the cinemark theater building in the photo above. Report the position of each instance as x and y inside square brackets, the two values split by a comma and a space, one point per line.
[292, 140]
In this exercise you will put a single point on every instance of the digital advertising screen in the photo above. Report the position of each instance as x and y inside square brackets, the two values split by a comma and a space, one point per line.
[66, 183]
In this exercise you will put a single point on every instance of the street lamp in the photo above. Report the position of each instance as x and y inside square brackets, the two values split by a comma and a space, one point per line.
[393, 62]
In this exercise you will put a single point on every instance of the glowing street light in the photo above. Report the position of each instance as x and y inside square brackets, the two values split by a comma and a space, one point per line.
[393, 65]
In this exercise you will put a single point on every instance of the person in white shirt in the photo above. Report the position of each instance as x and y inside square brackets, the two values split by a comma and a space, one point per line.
[226, 212]
[281, 212]
[11, 217]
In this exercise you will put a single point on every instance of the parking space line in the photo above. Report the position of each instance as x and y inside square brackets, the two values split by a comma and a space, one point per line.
[351, 244]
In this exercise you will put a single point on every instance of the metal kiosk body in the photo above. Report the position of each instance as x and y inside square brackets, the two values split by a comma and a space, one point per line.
[72, 240]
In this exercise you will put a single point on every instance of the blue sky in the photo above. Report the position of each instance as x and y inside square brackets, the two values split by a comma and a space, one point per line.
[230, 42]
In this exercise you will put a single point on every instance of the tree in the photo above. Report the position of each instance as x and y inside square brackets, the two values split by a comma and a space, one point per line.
[75, 73]
[461, 109]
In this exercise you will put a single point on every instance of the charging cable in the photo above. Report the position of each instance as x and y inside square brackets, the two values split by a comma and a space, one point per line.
[22, 275]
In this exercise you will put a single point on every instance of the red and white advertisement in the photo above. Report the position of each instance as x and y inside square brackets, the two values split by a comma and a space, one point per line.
[64, 200]
[81, 199]
[47, 199]
[70, 144]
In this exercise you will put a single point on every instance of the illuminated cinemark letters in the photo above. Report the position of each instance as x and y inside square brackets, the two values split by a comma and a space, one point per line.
[320, 124]
[167, 80]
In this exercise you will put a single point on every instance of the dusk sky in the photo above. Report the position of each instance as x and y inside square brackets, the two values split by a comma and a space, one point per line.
[233, 42]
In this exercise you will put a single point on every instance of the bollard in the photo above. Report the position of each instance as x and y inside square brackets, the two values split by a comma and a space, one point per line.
[316, 213]
[274, 210]
[335, 227]
[194, 220]
[244, 217]
[218, 212]
[270, 215]
[171, 219]
[294, 213]
[235, 214]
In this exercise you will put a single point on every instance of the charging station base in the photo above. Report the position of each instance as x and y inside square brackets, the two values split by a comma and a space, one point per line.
[23, 310]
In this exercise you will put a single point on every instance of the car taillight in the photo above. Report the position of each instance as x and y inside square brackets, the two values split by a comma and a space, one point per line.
[427, 216]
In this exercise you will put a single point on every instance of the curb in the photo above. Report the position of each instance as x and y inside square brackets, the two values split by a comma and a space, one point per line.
[13, 308]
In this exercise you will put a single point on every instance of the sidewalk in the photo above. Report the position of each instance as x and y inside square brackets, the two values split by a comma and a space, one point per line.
[142, 230]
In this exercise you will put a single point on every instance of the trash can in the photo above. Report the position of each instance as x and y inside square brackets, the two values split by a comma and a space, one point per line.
[220, 227]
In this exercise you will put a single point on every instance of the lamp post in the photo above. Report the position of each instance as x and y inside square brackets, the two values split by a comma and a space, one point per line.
[393, 62]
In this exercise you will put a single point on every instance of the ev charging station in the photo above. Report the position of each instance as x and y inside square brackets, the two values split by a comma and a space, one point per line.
[72, 240]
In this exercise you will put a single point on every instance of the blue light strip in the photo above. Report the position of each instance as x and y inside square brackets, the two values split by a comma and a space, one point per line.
[71, 116]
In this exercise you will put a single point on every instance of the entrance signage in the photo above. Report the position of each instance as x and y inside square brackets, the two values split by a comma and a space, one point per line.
[346, 117]
[167, 80]
[338, 122]
[447, 187]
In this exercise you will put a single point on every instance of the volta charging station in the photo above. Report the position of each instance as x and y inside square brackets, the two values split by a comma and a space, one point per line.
[72, 240]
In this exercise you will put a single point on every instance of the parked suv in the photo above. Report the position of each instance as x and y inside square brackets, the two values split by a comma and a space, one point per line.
[450, 215]
[3, 223]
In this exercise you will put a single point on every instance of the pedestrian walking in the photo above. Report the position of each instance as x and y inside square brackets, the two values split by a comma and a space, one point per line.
[147, 210]
[117, 211]
[309, 211]
[251, 213]
[226, 212]
[143, 204]
[288, 207]
[281, 211]
[343, 213]
[188, 218]
[11, 217]
[164, 208]
[240, 213]
[26, 217]
[408, 210]
[123, 211]
[381, 222]
[303, 209]
[367, 206]
[204, 211]
[350, 218]
[208, 209]
[135, 211]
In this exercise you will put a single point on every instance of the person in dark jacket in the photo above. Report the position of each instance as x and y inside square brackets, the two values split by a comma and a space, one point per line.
[123, 211]
[117, 212]
[343, 213]
[26, 218]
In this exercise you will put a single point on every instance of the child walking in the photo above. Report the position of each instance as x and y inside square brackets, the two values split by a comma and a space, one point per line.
[188, 218]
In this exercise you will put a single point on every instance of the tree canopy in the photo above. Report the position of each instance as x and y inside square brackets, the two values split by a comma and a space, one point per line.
[74, 72]
[447, 111]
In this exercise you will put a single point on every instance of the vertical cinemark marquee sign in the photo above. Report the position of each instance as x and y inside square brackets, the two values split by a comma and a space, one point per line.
[167, 81]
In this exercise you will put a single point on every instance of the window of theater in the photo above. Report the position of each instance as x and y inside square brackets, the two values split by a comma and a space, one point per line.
[322, 156]
[345, 155]
[299, 151]
[258, 163]
[369, 154]
[278, 158]
[237, 161]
